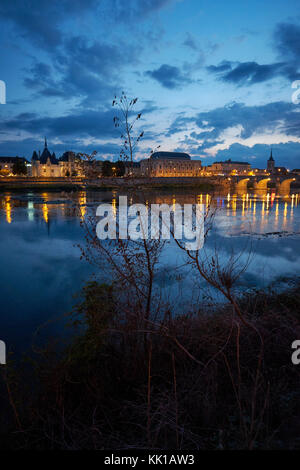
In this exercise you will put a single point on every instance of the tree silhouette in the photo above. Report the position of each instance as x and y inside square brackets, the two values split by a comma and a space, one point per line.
[19, 167]
[126, 122]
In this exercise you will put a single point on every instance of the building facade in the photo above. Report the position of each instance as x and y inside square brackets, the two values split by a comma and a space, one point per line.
[46, 165]
[229, 167]
[168, 164]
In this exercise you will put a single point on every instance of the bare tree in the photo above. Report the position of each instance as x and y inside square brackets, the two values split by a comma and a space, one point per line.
[126, 122]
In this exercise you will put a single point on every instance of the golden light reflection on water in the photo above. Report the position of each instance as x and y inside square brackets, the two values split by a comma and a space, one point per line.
[8, 210]
[234, 204]
[114, 203]
[45, 213]
[45, 208]
[267, 211]
[285, 213]
[268, 201]
[243, 205]
[82, 204]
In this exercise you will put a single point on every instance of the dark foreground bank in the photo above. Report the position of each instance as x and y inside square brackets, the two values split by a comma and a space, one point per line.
[210, 381]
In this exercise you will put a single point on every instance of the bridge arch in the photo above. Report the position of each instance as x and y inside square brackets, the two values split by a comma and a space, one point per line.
[261, 184]
[242, 184]
[284, 186]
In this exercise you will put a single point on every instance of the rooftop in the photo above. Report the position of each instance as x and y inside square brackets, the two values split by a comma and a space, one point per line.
[170, 156]
[231, 162]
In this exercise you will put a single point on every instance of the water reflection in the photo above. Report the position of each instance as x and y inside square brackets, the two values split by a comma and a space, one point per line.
[82, 204]
[7, 203]
[265, 211]
[40, 261]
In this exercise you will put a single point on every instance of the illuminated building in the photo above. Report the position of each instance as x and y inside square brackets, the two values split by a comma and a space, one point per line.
[167, 164]
[230, 167]
[68, 165]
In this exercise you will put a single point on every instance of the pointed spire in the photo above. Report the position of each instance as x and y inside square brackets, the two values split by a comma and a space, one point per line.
[45, 142]
[34, 156]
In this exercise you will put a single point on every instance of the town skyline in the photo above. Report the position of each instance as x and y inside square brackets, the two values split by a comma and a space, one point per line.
[213, 85]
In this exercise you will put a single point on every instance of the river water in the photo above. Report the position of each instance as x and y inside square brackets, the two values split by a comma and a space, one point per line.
[41, 270]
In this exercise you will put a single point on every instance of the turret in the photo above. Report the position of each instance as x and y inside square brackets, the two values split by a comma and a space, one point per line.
[34, 156]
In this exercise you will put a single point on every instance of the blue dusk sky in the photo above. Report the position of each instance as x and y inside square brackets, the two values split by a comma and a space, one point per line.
[213, 78]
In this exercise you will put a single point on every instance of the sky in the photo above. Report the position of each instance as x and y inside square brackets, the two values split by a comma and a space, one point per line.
[214, 79]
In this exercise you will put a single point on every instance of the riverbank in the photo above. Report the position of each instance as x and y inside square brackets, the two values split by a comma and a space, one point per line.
[203, 184]
[63, 184]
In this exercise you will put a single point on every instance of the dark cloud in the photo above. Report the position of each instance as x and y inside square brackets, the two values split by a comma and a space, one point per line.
[250, 73]
[287, 40]
[77, 66]
[252, 119]
[75, 82]
[40, 77]
[224, 66]
[179, 124]
[169, 76]
[97, 124]
[99, 57]
[41, 23]
[287, 43]
[90, 70]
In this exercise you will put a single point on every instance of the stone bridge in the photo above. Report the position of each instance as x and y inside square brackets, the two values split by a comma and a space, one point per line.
[260, 183]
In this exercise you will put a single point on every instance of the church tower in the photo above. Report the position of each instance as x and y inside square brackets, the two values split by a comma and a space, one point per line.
[271, 164]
